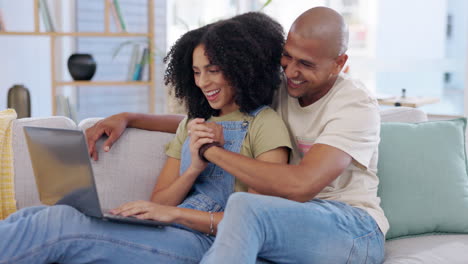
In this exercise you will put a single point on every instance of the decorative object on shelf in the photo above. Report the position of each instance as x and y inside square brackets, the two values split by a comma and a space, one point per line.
[81, 66]
[2, 23]
[20, 100]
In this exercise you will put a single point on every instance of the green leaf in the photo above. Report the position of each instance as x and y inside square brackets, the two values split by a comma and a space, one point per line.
[125, 43]
[265, 4]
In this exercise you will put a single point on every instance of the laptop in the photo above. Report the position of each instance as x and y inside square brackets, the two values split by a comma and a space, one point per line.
[64, 174]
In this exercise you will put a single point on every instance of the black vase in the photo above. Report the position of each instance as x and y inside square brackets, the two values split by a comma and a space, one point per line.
[81, 66]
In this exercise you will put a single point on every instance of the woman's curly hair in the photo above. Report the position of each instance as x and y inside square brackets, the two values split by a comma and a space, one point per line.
[247, 48]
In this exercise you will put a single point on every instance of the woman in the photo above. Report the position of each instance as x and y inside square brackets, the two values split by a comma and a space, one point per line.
[223, 73]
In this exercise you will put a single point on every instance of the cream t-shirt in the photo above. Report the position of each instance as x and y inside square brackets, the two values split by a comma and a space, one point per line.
[347, 118]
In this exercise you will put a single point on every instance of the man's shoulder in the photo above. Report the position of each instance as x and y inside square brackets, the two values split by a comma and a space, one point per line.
[347, 84]
[349, 90]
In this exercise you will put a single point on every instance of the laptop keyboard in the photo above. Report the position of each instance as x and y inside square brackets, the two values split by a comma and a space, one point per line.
[132, 220]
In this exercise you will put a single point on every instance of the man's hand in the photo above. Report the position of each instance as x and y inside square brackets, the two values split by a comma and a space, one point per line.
[206, 130]
[217, 131]
[112, 126]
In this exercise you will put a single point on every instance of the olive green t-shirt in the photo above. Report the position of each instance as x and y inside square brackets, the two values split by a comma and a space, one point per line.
[266, 131]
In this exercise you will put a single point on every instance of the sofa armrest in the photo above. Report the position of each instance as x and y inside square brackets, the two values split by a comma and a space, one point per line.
[25, 183]
[403, 114]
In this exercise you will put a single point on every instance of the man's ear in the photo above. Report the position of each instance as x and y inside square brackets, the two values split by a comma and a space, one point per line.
[340, 61]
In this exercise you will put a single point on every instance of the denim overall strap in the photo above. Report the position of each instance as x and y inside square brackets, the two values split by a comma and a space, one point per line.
[258, 110]
[214, 185]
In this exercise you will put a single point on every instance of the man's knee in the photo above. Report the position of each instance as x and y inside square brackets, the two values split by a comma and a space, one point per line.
[241, 202]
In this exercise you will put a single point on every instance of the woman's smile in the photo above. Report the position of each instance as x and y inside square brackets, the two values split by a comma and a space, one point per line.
[212, 95]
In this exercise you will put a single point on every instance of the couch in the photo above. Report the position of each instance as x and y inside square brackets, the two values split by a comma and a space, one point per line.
[128, 172]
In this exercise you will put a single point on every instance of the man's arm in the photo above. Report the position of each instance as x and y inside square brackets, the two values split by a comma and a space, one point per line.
[320, 166]
[115, 125]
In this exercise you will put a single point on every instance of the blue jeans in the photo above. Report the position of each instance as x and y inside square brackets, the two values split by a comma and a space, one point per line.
[62, 234]
[284, 231]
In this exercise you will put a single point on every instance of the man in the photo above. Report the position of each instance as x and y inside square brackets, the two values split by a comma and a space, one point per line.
[323, 207]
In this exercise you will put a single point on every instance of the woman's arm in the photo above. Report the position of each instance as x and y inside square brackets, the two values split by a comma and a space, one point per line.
[205, 222]
[195, 219]
[171, 188]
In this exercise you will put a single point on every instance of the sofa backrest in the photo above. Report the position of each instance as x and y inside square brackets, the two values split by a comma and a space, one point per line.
[126, 173]
[403, 114]
[129, 171]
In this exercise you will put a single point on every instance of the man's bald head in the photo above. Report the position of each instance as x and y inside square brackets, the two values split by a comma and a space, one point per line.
[325, 24]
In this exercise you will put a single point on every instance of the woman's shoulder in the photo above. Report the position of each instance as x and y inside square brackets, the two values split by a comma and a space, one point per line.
[268, 114]
[182, 129]
[268, 118]
[267, 131]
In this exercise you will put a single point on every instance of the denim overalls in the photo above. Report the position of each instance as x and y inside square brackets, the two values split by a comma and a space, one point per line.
[214, 185]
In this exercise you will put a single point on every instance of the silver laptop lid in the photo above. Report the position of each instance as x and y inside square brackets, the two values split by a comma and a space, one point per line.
[62, 168]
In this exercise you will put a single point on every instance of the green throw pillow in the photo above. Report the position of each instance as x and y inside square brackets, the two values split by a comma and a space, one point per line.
[423, 177]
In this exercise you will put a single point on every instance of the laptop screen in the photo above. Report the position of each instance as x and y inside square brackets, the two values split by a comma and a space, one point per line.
[62, 168]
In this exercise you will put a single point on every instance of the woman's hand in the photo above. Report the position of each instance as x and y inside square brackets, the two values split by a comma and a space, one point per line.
[148, 211]
[199, 134]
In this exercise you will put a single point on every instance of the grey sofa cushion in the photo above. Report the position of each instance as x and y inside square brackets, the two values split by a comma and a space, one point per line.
[128, 172]
[431, 249]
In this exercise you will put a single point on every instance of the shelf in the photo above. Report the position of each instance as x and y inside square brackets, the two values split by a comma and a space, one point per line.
[57, 47]
[409, 101]
[75, 34]
[104, 83]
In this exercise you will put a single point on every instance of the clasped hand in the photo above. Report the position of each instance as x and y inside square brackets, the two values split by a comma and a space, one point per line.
[200, 133]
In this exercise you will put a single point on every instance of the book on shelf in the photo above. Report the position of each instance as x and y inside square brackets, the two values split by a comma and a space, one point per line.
[118, 11]
[114, 16]
[46, 17]
[134, 56]
[145, 71]
[139, 63]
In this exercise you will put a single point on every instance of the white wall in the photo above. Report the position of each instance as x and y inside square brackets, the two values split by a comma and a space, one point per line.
[411, 39]
[25, 59]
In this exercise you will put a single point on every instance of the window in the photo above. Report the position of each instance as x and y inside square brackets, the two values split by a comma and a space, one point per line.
[417, 45]
[185, 15]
